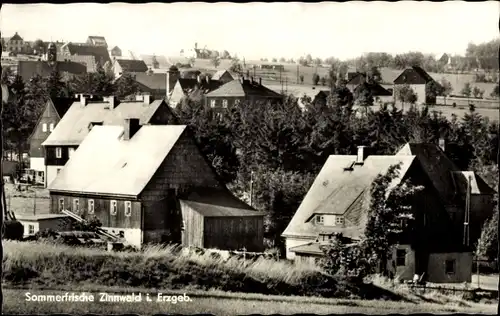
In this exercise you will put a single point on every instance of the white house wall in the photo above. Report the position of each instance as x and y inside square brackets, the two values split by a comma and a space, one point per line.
[294, 242]
[37, 163]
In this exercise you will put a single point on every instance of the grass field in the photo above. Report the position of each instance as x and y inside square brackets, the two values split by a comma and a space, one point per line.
[218, 303]
[34, 200]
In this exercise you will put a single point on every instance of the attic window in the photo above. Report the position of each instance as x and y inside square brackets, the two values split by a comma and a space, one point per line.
[320, 219]
[339, 220]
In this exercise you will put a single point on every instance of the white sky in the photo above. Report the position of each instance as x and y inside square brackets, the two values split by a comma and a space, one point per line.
[255, 30]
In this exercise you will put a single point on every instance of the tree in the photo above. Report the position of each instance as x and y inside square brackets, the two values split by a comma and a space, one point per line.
[215, 61]
[301, 79]
[225, 55]
[317, 62]
[126, 86]
[39, 46]
[323, 81]
[309, 59]
[282, 60]
[405, 94]
[432, 90]
[315, 79]
[496, 91]
[364, 97]
[466, 90]
[477, 93]
[275, 60]
[7, 75]
[389, 215]
[374, 74]
[236, 67]
[100, 83]
[56, 88]
[447, 88]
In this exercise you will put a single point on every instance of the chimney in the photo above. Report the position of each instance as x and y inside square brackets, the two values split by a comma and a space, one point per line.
[260, 81]
[442, 144]
[131, 127]
[361, 155]
[147, 99]
[83, 100]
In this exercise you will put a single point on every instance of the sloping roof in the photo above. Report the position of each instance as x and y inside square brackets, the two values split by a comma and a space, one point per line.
[73, 127]
[413, 75]
[336, 191]
[312, 248]
[131, 65]
[162, 60]
[375, 89]
[214, 210]
[155, 81]
[219, 74]
[16, 37]
[27, 69]
[87, 60]
[62, 105]
[478, 185]
[100, 53]
[236, 88]
[124, 167]
[189, 84]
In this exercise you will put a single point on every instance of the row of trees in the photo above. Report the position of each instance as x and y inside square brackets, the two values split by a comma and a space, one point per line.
[285, 146]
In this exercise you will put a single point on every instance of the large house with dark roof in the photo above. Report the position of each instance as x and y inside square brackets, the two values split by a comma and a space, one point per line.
[86, 113]
[241, 90]
[86, 60]
[339, 198]
[154, 84]
[223, 76]
[54, 111]
[128, 65]
[100, 53]
[151, 184]
[14, 44]
[195, 88]
[417, 79]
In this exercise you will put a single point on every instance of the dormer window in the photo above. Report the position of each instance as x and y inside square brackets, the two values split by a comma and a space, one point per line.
[320, 219]
[339, 220]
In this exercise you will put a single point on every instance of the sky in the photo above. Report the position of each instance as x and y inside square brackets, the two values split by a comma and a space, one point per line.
[255, 30]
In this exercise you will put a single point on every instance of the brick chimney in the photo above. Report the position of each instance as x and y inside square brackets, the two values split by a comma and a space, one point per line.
[83, 100]
[131, 126]
[361, 155]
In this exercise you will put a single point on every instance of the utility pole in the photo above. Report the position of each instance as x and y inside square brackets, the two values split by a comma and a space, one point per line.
[34, 204]
[251, 188]
[498, 228]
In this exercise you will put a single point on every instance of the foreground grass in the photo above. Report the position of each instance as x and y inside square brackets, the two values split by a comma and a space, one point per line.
[218, 303]
[49, 265]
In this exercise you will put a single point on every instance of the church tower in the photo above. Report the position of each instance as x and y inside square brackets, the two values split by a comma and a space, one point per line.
[52, 54]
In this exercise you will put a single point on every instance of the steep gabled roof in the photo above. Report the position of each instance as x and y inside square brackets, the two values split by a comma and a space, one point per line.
[375, 89]
[73, 127]
[132, 65]
[188, 85]
[219, 74]
[155, 81]
[236, 88]
[16, 37]
[215, 210]
[123, 167]
[341, 192]
[413, 75]
[100, 53]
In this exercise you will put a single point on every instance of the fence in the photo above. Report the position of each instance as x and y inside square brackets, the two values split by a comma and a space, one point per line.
[474, 293]
[464, 102]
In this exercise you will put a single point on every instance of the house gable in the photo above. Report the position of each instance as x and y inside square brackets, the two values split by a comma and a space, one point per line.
[38, 136]
[414, 75]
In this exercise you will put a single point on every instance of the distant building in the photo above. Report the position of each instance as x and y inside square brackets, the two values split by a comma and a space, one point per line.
[100, 53]
[240, 90]
[97, 41]
[83, 115]
[15, 44]
[417, 79]
[153, 185]
[86, 60]
[193, 88]
[116, 52]
[121, 66]
[154, 84]
[161, 60]
[48, 120]
[40, 222]
[27, 69]
[223, 76]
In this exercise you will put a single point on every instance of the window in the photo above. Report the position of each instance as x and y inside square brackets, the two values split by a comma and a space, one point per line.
[212, 103]
[71, 151]
[400, 257]
[450, 266]
[44, 127]
[76, 205]
[51, 127]
[128, 208]
[339, 220]
[61, 204]
[58, 152]
[91, 207]
[224, 104]
[31, 229]
[320, 219]
[113, 207]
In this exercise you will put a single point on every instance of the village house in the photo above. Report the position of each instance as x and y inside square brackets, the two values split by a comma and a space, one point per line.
[116, 52]
[100, 53]
[417, 79]
[84, 114]
[14, 44]
[241, 90]
[121, 66]
[161, 61]
[41, 222]
[86, 60]
[154, 84]
[339, 198]
[223, 76]
[152, 184]
[97, 41]
[27, 68]
[193, 88]
[54, 111]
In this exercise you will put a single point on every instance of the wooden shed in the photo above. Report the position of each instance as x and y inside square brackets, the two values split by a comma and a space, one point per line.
[221, 227]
